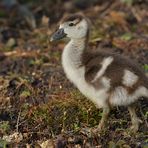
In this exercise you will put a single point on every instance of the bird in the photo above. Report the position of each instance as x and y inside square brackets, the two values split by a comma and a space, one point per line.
[105, 78]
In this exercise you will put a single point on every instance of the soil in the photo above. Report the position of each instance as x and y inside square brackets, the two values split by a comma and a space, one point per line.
[39, 107]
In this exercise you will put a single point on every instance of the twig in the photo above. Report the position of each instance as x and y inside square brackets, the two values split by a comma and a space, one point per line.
[18, 119]
[19, 54]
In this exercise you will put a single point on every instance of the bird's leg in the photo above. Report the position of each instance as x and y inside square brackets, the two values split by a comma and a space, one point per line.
[101, 125]
[135, 120]
[105, 114]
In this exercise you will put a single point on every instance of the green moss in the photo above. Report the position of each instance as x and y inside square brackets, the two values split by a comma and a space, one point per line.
[4, 126]
[64, 114]
[127, 36]
[33, 62]
[145, 67]
[128, 2]
[25, 93]
[3, 143]
[2, 13]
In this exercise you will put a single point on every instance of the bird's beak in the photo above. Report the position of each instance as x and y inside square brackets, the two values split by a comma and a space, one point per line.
[59, 34]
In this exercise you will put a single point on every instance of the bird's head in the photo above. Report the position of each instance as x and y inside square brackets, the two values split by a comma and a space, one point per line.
[74, 27]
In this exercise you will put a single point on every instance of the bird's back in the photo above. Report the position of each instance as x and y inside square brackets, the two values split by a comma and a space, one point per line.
[121, 72]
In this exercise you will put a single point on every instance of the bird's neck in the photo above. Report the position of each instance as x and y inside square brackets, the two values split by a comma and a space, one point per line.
[73, 52]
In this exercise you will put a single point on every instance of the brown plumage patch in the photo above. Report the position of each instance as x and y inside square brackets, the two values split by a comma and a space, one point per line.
[115, 71]
[132, 89]
[92, 63]
[75, 17]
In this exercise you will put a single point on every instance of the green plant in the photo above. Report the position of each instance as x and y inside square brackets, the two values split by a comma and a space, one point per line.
[4, 126]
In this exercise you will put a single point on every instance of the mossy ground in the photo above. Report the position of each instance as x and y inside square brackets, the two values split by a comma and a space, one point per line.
[36, 99]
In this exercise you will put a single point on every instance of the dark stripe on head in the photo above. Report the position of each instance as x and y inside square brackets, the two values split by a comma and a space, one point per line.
[73, 17]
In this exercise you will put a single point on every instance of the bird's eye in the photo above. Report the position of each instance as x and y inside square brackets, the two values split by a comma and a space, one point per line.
[71, 24]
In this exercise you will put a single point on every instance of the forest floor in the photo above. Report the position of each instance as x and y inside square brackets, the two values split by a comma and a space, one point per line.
[39, 107]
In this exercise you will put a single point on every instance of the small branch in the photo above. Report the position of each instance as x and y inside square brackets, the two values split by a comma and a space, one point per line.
[18, 119]
[19, 54]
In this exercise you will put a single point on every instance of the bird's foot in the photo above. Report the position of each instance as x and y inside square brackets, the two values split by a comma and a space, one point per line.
[135, 125]
[101, 126]
[86, 131]
[95, 131]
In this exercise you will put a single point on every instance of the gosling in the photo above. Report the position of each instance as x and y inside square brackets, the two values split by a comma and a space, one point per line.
[107, 79]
